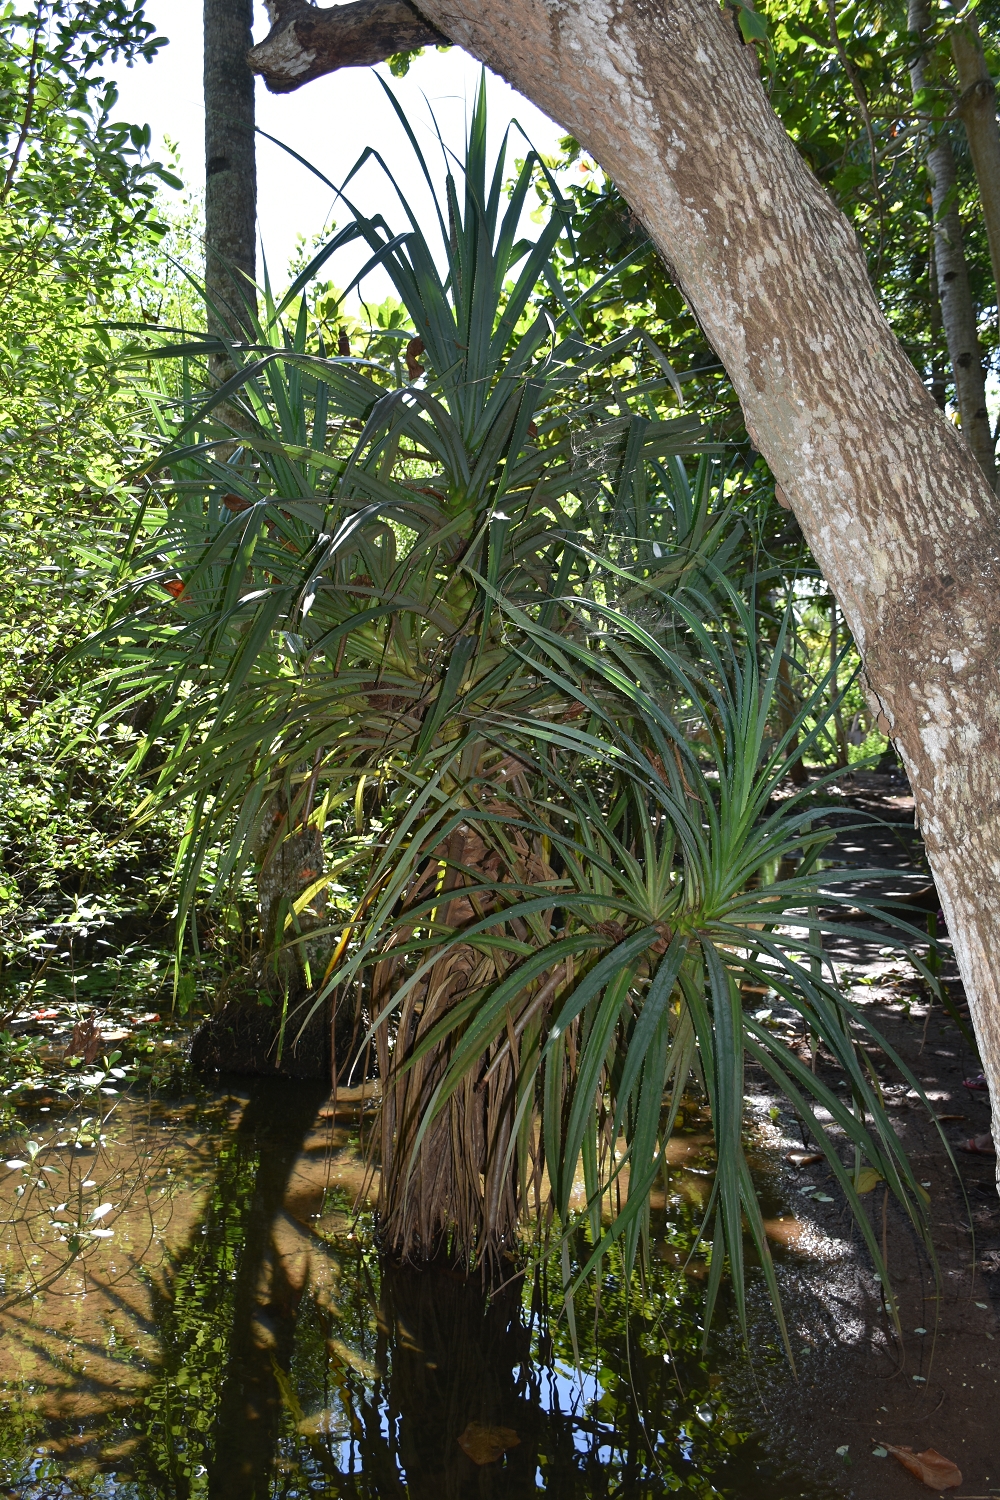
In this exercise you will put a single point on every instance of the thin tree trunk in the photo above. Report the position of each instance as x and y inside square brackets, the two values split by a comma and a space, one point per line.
[787, 709]
[899, 516]
[957, 308]
[230, 167]
[939, 381]
[840, 733]
[977, 107]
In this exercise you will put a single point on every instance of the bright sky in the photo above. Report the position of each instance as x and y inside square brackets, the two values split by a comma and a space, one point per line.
[329, 121]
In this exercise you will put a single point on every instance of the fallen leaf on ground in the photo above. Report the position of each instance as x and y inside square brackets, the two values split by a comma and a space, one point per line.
[485, 1444]
[936, 1471]
[804, 1158]
[990, 1262]
[868, 1179]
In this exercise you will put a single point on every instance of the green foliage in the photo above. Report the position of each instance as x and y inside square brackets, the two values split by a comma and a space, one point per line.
[336, 618]
[80, 232]
[842, 89]
[678, 885]
[490, 605]
[399, 63]
[73, 181]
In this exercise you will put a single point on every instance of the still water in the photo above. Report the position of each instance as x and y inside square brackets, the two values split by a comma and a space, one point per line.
[209, 1320]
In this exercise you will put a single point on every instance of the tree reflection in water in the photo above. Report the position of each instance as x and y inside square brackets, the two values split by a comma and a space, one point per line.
[292, 1362]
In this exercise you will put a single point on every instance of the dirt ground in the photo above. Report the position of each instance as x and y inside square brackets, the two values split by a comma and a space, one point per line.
[860, 1387]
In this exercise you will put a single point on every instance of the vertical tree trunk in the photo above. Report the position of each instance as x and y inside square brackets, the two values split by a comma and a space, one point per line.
[977, 107]
[957, 308]
[939, 379]
[230, 166]
[840, 733]
[897, 511]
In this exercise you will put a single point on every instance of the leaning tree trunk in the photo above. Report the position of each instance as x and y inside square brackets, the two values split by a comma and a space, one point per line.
[897, 511]
[957, 307]
[230, 167]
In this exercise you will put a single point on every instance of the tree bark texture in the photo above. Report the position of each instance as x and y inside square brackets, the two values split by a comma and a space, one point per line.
[957, 308]
[306, 42]
[977, 107]
[897, 511]
[230, 167]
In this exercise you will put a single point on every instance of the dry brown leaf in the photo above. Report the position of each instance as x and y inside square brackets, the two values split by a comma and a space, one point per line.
[85, 1041]
[485, 1444]
[412, 353]
[804, 1158]
[936, 1471]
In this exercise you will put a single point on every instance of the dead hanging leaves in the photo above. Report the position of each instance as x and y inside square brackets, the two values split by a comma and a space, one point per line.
[485, 1444]
[931, 1467]
[414, 349]
[85, 1042]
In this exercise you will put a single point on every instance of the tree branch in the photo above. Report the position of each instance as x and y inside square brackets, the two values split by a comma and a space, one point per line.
[305, 42]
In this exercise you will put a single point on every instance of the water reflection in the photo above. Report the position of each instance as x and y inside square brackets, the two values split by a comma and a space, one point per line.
[230, 1338]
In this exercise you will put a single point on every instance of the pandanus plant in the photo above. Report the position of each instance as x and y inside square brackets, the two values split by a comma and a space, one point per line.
[682, 883]
[343, 547]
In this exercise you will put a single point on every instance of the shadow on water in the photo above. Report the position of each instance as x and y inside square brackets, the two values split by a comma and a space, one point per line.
[249, 1343]
[266, 1297]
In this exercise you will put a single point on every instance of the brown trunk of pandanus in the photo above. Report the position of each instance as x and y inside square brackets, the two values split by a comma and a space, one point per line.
[448, 1193]
[456, 1193]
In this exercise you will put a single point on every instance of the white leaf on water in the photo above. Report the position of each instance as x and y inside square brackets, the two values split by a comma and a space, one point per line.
[101, 1212]
[101, 1234]
[15, 1164]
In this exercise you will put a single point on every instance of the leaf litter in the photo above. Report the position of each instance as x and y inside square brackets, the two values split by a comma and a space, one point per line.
[930, 1466]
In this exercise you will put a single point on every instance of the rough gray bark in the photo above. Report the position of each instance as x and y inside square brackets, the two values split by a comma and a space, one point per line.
[230, 166]
[957, 308]
[894, 506]
[305, 42]
[977, 107]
